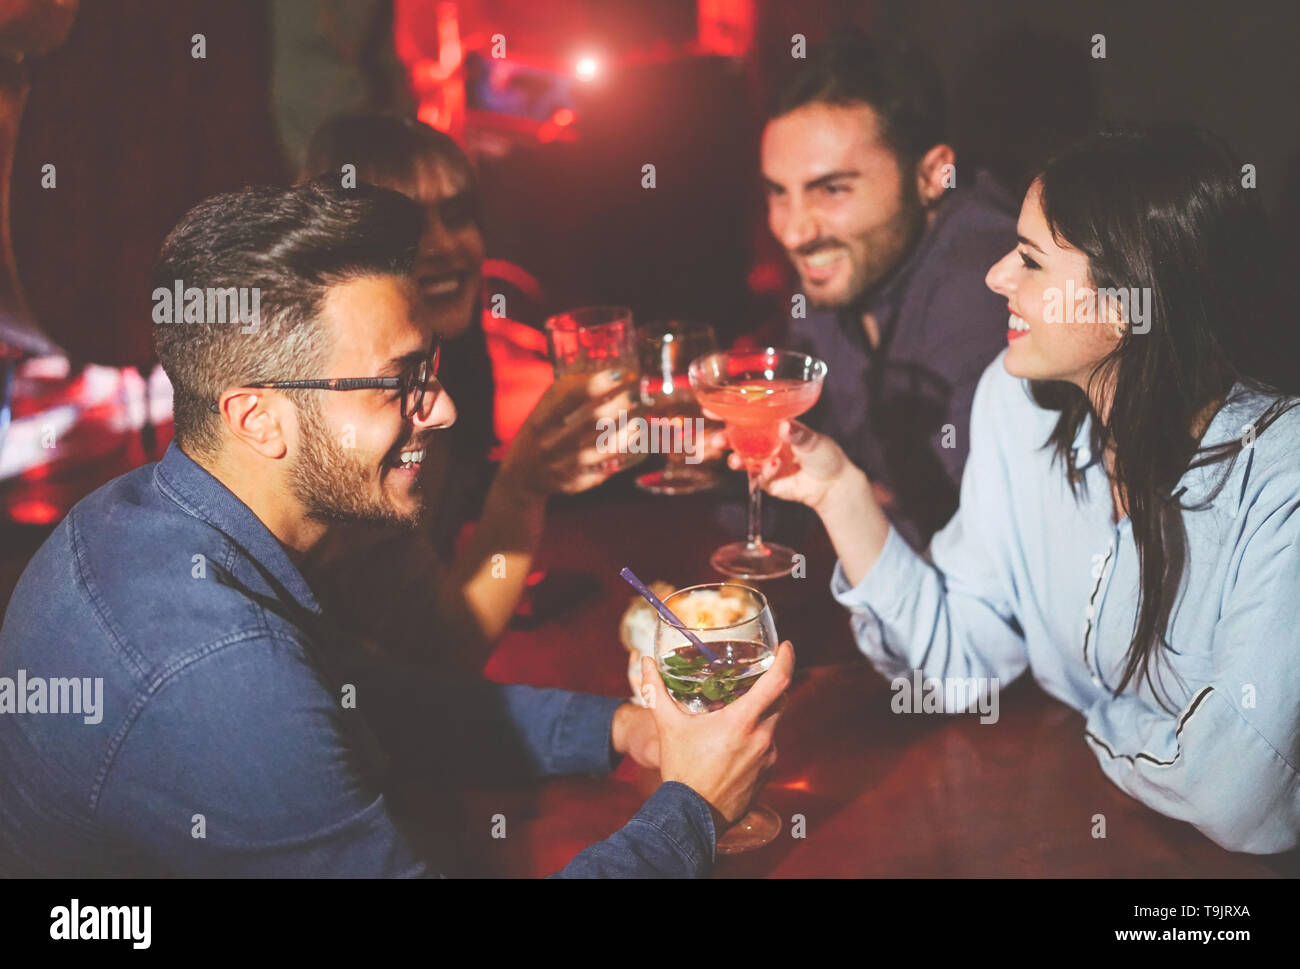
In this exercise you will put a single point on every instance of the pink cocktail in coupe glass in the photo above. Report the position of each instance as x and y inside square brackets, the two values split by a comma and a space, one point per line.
[754, 391]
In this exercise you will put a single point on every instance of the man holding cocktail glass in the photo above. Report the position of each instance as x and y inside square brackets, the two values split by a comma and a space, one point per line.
[238, 730]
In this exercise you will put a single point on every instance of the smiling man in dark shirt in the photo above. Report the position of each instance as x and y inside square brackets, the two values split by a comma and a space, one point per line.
[891, 254]
[234, 730]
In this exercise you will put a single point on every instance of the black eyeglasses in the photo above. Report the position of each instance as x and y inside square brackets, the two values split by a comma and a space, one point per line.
[415, 383]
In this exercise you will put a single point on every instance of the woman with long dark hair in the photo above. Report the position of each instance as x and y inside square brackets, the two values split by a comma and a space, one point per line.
[1130, 513]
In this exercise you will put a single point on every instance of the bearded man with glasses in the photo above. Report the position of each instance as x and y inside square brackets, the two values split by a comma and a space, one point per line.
[234, 728]
[329, 477]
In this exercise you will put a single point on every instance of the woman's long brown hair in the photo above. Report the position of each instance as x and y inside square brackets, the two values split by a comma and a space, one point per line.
[1164, 208]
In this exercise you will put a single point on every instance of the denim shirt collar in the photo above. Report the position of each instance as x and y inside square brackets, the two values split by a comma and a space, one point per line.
[198, 493]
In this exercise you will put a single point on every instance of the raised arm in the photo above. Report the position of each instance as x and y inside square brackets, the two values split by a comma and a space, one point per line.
[283, 776]
[948, 614]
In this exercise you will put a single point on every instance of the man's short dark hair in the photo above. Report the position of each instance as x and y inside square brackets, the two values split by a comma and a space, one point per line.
[290, 245]
[899, 82]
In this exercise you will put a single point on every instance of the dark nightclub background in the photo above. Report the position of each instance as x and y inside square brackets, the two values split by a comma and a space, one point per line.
[139, 129]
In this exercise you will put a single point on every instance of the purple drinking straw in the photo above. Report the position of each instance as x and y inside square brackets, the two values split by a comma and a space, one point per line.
[667, 614]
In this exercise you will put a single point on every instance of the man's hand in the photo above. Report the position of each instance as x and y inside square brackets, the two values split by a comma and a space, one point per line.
[634, 734]
[722, 755]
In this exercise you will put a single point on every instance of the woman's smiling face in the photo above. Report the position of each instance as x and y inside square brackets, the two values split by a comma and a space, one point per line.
[1037, 277]
[449, 270]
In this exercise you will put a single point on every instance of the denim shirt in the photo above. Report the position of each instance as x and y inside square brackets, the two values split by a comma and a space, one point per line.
[1029, 576]
[234, 732]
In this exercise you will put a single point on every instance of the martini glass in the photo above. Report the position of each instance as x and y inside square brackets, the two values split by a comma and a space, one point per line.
[737, 623]
[754, 391]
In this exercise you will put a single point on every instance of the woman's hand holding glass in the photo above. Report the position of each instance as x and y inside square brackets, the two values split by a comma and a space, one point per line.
[559, 447]
[812, 469]
[809, 468]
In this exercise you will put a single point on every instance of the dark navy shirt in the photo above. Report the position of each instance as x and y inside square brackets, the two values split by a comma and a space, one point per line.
[237, 733]
[902, 411]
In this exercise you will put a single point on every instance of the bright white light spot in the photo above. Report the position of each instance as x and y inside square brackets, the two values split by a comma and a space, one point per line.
[587, 67]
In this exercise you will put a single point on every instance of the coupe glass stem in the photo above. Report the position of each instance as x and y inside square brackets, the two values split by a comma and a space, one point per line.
[755, 509]
[674, 465]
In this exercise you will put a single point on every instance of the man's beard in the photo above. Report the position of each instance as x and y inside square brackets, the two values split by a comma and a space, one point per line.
[886, 247]
[333, 484]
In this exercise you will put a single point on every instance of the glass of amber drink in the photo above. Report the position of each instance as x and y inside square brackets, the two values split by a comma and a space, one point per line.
[586, 341]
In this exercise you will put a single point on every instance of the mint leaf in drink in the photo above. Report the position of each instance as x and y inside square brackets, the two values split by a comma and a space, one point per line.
[679, 685]
[715, 688]
[684, 664]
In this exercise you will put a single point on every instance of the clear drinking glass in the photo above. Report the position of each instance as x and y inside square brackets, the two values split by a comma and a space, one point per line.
[674, 416]
[736, 622]
[754, 391]
[592, 339]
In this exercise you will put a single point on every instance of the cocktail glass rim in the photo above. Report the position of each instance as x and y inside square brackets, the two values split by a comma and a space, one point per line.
[659, 331]
[762, 600]
[696, 372]
[570, 321]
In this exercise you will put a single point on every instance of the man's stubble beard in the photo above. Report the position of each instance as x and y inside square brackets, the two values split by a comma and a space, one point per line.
[895, 238]
[332, 485]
